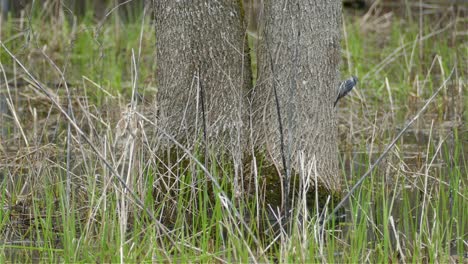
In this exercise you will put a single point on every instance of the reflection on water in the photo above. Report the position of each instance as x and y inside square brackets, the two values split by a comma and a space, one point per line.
[411, 191]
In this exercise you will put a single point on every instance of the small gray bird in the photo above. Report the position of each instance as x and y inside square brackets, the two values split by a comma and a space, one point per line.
[346, 87]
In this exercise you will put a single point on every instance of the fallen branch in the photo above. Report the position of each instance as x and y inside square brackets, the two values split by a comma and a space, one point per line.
[387, 149]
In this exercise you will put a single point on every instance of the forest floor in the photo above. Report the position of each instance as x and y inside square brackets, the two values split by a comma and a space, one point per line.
[81, 183]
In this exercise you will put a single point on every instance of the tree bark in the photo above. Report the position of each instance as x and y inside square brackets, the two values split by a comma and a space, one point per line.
[299, 56]
[203, 71]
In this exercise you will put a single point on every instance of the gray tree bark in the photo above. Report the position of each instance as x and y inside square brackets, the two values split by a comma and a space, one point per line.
[203, 71]
[299, 56]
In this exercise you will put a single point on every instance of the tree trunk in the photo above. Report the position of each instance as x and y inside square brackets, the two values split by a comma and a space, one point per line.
[299, 56]
[4, 7]
[203, 71]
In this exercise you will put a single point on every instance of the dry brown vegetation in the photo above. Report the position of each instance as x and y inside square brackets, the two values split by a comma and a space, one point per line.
[81, 179]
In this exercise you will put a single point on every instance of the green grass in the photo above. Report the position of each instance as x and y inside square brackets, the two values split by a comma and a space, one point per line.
[413, 208]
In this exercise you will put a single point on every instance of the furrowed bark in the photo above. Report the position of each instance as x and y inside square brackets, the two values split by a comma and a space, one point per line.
[299, 55]
[201, 50]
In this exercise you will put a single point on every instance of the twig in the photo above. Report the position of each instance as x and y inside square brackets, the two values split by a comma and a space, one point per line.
[110, 12]
[281, 132]
[202, 103]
